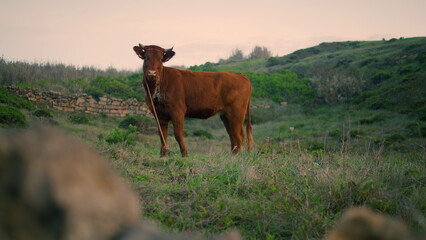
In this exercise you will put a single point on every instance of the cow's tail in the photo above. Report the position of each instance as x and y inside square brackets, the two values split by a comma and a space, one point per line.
[249, 129]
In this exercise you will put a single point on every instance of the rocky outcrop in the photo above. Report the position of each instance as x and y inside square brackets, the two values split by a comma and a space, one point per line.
[83, 103]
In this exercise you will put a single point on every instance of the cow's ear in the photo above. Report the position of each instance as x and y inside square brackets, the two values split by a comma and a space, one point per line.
[140, 51]
[168, 54]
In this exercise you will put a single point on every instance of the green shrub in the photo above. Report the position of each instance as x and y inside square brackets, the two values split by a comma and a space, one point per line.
[376, 118]
[337, 133]
[79, 118]
[423, 131]
[313, 145]
[9, 99]
[103, 115]
[120, 87]
[266, 111]
[421, 112]
[257, 119]
[406, 69]
[380, 77]
[413, 129]
[396, 138]
[119, 135]
[202, 134]
[355, 133]
[142, 123]
[283, 86]
[43, 113]
[11, 116]
[96, 93]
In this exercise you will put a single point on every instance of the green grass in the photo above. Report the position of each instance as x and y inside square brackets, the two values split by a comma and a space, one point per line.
[308, 165]
[279, 193]
[9, 99]
[12, 117]
[293, 187]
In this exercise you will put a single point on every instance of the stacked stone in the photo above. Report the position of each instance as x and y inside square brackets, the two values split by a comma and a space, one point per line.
[84, 103]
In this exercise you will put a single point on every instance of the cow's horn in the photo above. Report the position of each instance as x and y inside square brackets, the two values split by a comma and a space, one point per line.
[142, 47]
[170, 49]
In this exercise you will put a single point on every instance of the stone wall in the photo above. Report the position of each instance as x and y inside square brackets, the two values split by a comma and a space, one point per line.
[84, 103]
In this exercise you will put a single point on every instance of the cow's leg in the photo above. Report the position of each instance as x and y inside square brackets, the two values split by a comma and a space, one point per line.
[236, 122]
[228, 128]
[165, 129]
[178, 129]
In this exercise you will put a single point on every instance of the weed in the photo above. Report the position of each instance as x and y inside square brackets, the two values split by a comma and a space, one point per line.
[9, 99]
[12, 117]
[142, 123]
[122, 136]
[79, 118]
[201, 133]
[374, 119]
[396, 137]
[43, 113]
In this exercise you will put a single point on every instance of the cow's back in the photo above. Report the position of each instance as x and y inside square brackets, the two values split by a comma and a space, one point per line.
[206, 93]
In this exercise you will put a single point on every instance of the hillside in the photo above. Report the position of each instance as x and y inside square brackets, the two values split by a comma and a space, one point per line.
[305, 170]
[315, 154]
[355, 53]
[376, 74]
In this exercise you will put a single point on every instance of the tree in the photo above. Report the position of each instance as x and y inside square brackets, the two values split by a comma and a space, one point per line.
[260, 52]
[237, 54]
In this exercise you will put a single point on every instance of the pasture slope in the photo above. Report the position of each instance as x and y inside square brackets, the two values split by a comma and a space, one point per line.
[295, 188]
[361, 143]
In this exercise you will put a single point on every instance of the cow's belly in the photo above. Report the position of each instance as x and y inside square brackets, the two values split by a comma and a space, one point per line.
[201, 113]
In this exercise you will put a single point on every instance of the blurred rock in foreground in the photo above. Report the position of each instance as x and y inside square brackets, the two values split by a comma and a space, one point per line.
[54, 188]
[359, 223]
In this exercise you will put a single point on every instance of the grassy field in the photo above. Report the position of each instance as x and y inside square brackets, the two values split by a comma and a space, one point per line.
[358, 141]
[306, 168]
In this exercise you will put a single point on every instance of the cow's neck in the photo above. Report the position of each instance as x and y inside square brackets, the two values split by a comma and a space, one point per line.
[154, 86]
[151, 84]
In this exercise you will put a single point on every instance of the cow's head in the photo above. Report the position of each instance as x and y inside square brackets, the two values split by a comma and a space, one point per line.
[153, 57]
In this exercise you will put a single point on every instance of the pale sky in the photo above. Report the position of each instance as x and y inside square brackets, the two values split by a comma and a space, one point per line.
[101, 33]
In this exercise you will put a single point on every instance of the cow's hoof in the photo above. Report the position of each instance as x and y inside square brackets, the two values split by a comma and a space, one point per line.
[164, 152]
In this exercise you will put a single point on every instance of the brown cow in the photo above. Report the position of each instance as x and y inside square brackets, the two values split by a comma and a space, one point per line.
[181, 93]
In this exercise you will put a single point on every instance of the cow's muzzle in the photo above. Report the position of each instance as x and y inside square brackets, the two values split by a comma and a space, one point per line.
[151, 75]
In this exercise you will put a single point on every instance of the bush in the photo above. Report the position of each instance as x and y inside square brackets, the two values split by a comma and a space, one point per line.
[283, 86]
[120, 87]
[377, 118]
[380, 77]
[142, 123]
[78, 119]
[423, 132]
[381, 103]
[313, 145]
[257, 119]
[96, 93]
[396, 137]
[202, 134]
[43, 113]
[119, 135]
[421, 112]
[414, 129]
[11, 116]
[9, 99]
